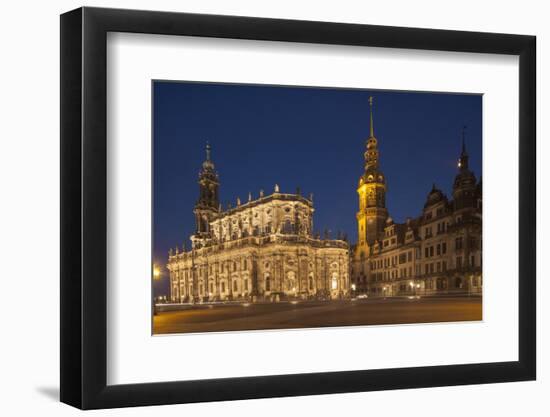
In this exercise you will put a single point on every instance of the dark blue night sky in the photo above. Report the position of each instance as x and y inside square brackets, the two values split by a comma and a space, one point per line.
[310, 138]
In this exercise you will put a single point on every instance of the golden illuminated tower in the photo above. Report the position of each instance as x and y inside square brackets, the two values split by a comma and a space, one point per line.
[372, 214]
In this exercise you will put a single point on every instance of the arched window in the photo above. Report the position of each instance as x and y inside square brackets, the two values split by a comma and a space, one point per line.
[334, 283]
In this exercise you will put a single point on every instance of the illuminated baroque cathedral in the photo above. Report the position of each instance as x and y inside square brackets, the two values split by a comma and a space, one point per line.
[438, 252]
[263, 249]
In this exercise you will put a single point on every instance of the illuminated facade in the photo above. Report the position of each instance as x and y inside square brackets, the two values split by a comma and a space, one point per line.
[438, 252]
[260, 250]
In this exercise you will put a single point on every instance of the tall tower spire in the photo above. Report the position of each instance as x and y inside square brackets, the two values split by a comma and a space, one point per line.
[372, 214]
[371, 98]
[207, 205]
[463, 160]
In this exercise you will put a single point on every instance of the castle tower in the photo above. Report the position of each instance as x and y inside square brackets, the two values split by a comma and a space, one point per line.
[372, 214]
[208, 202]
[464, 187]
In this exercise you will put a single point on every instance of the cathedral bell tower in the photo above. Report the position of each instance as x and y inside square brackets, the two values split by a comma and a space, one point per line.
[207, 204]
[372, 214]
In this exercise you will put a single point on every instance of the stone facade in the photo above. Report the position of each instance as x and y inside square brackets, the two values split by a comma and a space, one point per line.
[438, 252]
[260, 250]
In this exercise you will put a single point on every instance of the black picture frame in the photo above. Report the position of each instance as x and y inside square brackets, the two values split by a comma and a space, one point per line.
[84, 207]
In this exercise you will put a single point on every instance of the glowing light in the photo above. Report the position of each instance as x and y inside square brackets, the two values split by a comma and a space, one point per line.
[353, 287]
[156, 272]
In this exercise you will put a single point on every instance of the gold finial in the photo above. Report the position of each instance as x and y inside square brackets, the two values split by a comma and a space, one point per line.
[371, 98]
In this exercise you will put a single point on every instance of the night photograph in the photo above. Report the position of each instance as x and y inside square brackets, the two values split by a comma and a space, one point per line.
[281, 207]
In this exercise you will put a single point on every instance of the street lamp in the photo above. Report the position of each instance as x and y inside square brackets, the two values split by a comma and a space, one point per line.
[156, 272]
[157, 275]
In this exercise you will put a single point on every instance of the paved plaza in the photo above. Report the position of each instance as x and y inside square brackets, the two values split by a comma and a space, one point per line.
[289, 315]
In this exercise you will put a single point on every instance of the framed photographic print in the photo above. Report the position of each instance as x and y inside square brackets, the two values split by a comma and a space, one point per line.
[258, 208]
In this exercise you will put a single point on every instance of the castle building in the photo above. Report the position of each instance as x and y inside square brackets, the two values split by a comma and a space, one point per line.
[261, 250]
[437, 252]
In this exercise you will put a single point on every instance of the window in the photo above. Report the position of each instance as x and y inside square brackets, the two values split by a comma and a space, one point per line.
[444, 247]
[223, 286]
[459, 261]
[268, 284]
[473, 260]
[426, 252]
[310, 282]
[431, 251]
[246, 285]
[444, 266]
[234, 266]
[234, 285]
[458, 243]
[438, 251]
[245, 265]
[438, 267]
[409, 256]
[458, 282]
[211, 287]
[426, 269]
[334, 284]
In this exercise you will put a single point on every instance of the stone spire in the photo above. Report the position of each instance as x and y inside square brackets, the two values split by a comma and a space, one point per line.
[463, 160]
[371, 98]
[371, 154]
[208, 202]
